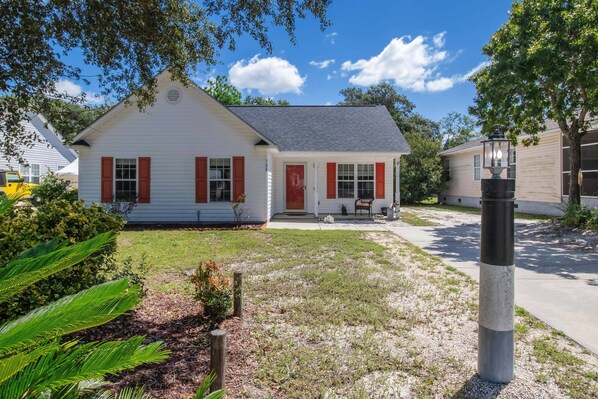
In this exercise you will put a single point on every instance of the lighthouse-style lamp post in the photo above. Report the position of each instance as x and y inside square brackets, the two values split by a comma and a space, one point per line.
[496, 343]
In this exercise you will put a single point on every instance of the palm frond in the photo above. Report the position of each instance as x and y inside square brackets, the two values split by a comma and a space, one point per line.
[61, 369]
[89, 308]
[204, 388]
[6, 203]
[24, 271]
[127, 393]
[11, 365]
[41, 249]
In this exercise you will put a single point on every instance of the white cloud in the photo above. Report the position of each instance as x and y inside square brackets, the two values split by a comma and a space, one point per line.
[64, 86]
[409, 63]
[322, 64]
[269, 76]
[438, 39]
[440, 84]
[331, 37]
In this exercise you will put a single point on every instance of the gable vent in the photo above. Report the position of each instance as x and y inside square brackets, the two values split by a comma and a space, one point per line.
[173, 95]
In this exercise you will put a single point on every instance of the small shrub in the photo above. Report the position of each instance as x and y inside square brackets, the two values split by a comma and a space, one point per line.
[135, 273]
[53, 188]
[240, 210]
[580, 216]
[213, 291]
[122, 207]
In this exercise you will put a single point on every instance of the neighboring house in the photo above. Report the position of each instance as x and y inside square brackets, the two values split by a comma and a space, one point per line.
[541, 173]
[47, 155]
[188, 157]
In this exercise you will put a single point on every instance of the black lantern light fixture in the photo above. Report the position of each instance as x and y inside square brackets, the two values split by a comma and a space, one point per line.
[497, 150]
[496, 316]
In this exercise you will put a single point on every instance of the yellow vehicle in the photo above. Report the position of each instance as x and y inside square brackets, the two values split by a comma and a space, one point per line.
[12, 183]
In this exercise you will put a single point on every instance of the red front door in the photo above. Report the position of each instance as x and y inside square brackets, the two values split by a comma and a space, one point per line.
[295, 192]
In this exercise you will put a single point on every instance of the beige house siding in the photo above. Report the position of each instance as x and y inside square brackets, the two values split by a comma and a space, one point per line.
[539, 170]
[538, 178]
[462, 182]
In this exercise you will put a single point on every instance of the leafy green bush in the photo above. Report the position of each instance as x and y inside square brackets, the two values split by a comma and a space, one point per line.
[34, 362]
[53, 188]
[213, 290]
[580, 216]
[26, 226]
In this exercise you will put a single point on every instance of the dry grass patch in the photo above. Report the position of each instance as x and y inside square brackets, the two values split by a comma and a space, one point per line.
[347, 314]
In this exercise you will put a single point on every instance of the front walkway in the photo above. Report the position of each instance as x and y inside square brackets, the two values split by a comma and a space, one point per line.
[555, 280]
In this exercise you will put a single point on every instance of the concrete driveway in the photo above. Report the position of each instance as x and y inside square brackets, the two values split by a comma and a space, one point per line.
[554, 280]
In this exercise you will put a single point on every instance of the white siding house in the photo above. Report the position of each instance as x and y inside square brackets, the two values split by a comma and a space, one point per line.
[48, 154]
[188, 157]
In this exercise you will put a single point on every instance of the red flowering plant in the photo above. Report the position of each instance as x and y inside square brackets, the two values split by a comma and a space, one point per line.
[213, 290]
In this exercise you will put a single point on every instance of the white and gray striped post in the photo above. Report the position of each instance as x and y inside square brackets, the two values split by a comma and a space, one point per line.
[496, 345]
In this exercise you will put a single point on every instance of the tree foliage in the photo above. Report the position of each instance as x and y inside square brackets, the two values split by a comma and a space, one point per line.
[257, 100]
[543, 65]
[125, 42]
[221, 90]
[421, 171]
[456, 129]
[69, 118]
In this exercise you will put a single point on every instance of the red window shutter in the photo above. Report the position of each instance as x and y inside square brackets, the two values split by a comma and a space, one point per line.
[201, 180]
[107, 179]
[380, 180]
[238, 177]
[331, 180]
[144, 180]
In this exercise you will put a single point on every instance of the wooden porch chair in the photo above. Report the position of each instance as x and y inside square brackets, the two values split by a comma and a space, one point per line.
[364, 203]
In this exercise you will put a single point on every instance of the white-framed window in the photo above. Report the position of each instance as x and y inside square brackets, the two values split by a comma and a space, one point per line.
[220, 179]
[365, 180]
[512, 171]
[345, 180]
[477, 167]
[589, 165]
[355, 180]
[125, 179]
[446, 169]
[30, 173]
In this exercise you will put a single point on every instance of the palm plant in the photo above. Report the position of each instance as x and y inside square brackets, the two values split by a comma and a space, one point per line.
[34, 361]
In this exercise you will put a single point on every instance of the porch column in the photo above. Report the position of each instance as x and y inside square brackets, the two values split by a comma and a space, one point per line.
[316, 197]
[397, 164]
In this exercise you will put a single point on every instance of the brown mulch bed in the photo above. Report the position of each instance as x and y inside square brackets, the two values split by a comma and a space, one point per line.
[194, 227]
[176, 320]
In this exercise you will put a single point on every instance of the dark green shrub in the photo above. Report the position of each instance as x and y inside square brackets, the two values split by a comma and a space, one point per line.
[51, 189]
[71, 221]
[580, 216]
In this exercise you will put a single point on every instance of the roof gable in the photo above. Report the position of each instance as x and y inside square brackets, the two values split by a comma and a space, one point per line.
[326, 128]
[94, 127]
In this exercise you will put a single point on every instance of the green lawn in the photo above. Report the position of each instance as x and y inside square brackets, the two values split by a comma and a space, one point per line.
[335, 313]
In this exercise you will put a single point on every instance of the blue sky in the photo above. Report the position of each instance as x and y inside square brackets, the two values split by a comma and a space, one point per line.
[424, 48]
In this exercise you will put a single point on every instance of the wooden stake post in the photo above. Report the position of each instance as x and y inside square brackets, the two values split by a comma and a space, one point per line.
[218, 358]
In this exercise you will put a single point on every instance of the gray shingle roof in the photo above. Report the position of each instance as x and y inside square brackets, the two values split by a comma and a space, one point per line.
[326, 128]
[465, 146]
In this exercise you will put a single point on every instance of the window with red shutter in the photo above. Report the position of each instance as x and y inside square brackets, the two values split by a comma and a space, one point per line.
[238, 177]
[331, 180]
[380, 180]
[201, 180]
[144, 180]
[107, 183]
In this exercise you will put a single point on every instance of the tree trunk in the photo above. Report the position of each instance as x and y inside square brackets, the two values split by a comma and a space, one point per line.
[575, 161]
